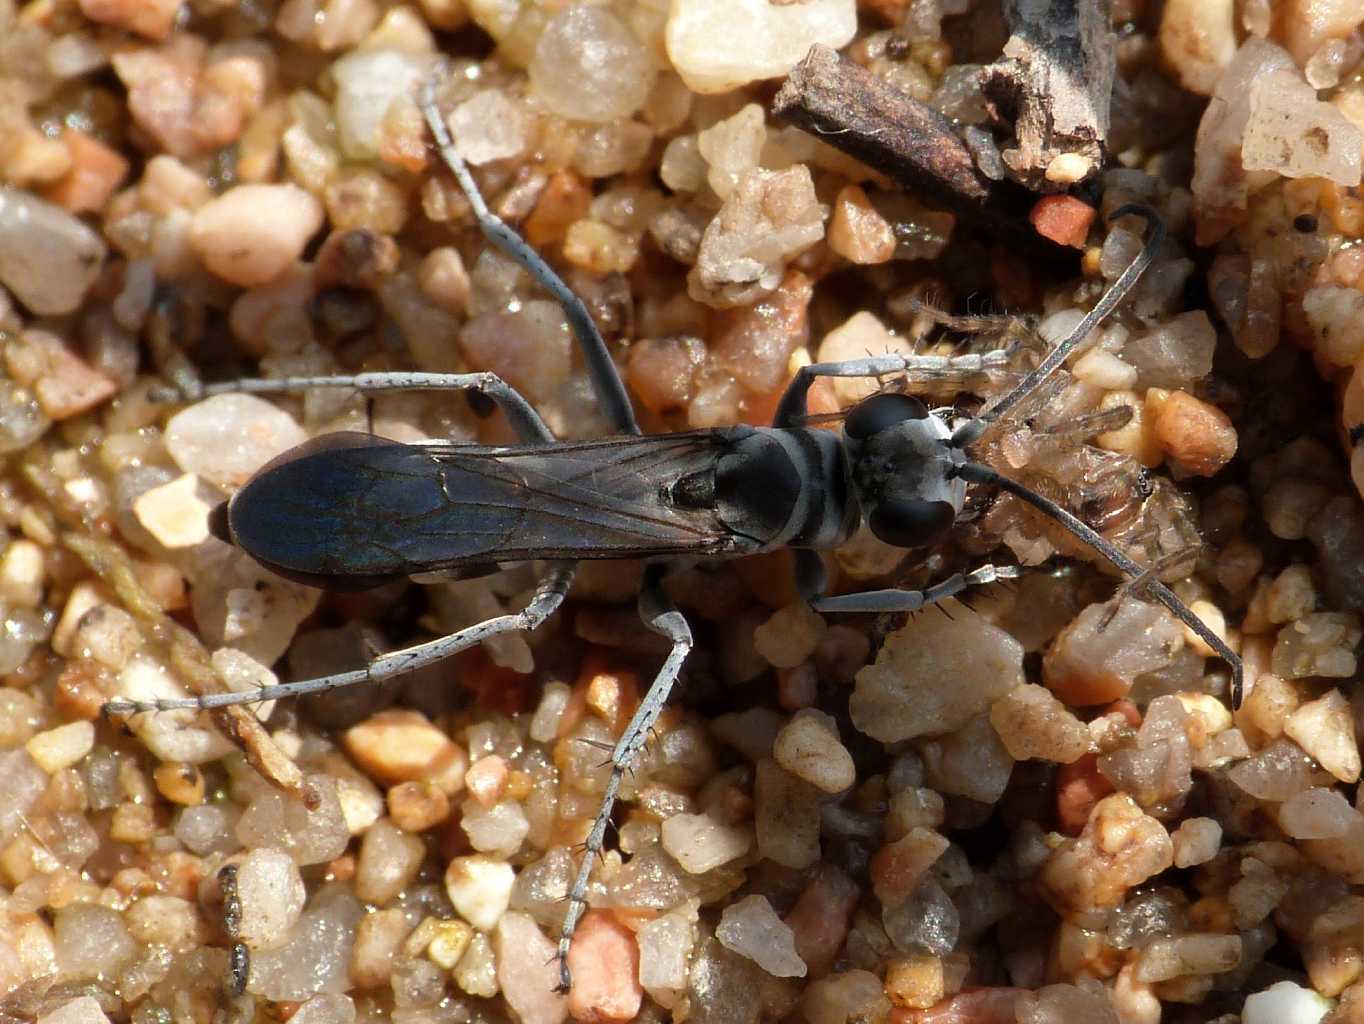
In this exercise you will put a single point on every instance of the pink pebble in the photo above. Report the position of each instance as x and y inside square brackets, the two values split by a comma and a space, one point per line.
[819, 920]
[604, 961]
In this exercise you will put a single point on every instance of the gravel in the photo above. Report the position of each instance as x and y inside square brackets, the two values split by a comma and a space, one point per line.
[605, 962]
[786, 817]
[717, 46]
[91, 941]
[62, 383]
[1103, 650]
[271, 892]
[590, 66]
[387, 863]
[194, 437]
[368, 81]
[526, 971]
[310, 835]
[317, 956]
[49, 259]
[1196, 841]
[809, 749]
[1034, 810]
[83, 1010]
[752, 929]
[1325, 729]
[663, 970]
[699, 843]
[1316, 813]
[61, 747]
[286, 215]
[1285, 118]
[479, 889]
[1284, 1002]
[932, 677]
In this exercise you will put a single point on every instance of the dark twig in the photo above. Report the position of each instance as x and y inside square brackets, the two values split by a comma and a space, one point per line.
[1055, 83]
[871, 120]
[868, 118]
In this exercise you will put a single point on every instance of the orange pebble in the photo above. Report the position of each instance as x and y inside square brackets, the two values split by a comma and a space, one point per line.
[1198, 436]
[565, 200]
[96, 170]
[1082, 689]
[662, 371]
[613, 695]
[1063, 219]
[610, 694]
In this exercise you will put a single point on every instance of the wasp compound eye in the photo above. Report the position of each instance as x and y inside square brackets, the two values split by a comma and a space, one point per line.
[911, 522]
[880, 412]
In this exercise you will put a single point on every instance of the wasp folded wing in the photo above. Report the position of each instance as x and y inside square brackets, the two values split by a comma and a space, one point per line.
[354, 510]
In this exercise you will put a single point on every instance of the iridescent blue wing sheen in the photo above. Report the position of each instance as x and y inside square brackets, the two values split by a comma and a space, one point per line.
[353, 510]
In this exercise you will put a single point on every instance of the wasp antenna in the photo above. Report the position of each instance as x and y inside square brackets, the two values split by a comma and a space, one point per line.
[974, 472]
[971, 431]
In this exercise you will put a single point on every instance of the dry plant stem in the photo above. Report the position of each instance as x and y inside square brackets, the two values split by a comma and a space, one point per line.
[1055, 81]
[190, 662]
[184, 652]
[870, 120]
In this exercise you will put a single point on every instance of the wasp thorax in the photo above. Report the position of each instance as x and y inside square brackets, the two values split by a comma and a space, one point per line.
[904, 469]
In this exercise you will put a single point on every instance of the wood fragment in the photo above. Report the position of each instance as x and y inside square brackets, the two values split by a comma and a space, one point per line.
[1055, 83]
[190, 661]
[869, 119]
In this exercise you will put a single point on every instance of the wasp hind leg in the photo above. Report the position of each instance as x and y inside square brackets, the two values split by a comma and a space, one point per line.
[546, 600]
[661, 616]
[606, 382]
[520, 414]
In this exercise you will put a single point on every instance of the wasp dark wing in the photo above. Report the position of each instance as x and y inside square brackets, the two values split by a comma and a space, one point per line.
[355, 510]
